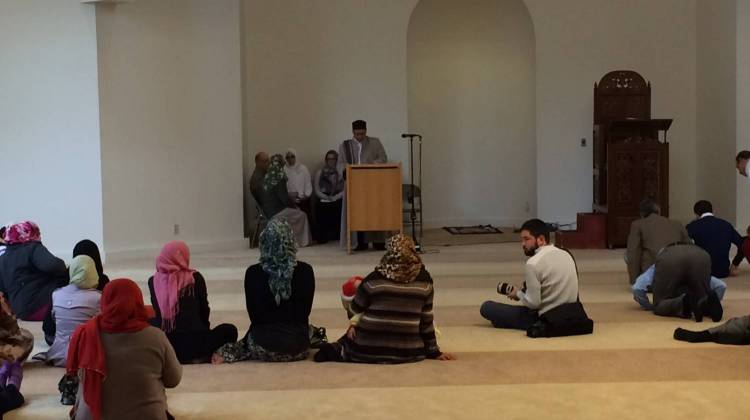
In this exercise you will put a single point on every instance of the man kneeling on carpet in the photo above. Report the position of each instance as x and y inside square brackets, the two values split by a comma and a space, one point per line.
[551, 280]
[392, 318]
[682, 284]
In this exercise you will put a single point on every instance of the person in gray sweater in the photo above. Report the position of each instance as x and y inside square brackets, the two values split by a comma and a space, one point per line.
[550, 278]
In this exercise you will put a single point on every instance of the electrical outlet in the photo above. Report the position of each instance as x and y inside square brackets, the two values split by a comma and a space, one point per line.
[176, 229]
[583, 142]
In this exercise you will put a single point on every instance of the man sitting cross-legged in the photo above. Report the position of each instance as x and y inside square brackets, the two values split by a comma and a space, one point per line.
[550, 277]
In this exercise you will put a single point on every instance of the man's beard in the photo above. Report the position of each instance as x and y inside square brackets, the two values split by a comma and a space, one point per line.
[530, 252]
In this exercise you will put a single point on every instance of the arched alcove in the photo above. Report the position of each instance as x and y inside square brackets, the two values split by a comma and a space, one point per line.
[471, 93]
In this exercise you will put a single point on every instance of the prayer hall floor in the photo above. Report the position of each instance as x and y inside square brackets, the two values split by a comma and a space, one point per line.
[630, 368]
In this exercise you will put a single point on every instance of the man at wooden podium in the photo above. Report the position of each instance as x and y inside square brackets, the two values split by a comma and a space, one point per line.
[358, 150]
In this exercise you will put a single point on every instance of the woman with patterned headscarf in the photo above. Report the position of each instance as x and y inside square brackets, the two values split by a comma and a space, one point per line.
[15, 342]
[180, 300]
[392, 308]
[275, 202]
[279, 294]
[28, 275]
[72, 306]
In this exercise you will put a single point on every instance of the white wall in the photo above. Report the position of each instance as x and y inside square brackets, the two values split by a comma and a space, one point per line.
[312, 67]
[49, 126]
[171, 123]
[171, 87]
[471, 94]
[743, 108]
[577, 42]
[716, 105]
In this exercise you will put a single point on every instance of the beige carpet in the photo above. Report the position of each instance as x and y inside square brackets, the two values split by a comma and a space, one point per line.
[630, 368]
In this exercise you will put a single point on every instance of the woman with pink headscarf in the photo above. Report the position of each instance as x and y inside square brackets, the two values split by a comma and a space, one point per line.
[180, 300]
[29, 274]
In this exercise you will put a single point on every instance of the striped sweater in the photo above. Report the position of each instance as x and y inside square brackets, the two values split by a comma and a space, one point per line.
[396, 323]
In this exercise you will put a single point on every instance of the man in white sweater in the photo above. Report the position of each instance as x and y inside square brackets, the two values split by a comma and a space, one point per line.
[550, 281]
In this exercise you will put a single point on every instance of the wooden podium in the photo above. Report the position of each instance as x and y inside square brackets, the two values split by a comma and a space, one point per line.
[373, 199]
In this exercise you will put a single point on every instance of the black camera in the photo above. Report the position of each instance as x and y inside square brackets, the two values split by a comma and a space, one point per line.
[505, 288]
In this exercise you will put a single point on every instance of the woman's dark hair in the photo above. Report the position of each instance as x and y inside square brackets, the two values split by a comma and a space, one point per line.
[743, 155]
[536, 228]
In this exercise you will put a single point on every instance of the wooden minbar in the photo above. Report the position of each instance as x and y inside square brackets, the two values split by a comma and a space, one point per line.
[631, 153]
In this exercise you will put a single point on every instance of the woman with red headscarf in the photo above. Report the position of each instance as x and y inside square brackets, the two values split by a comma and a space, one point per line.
[124, 364]
[29, 274]
[180, 300]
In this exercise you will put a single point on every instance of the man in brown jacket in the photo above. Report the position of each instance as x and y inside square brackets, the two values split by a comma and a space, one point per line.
[648, 235]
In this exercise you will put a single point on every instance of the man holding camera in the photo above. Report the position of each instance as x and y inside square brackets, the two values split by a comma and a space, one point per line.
[550, 278]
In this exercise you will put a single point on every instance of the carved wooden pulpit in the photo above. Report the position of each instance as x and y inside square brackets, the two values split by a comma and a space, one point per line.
[631, 161]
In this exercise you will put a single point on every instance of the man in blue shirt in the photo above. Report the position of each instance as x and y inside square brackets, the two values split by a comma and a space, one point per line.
[716, 237]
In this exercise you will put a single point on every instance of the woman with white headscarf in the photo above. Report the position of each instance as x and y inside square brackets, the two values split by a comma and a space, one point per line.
[298, 183]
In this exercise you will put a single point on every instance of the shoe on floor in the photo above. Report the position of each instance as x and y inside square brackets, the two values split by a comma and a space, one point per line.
[713, 307]
[692, 336]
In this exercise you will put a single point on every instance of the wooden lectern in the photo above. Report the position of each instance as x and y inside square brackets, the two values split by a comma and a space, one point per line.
[373, 199]
[631, 161]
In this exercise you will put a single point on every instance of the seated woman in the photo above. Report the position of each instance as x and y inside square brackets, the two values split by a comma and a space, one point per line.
[278, 294]
[273, 198]
[72, 306]
[298, 182]
[28, 275]
[393, 320]
[89, 248]
[15, 343]
[136, 359]
[329, 188]
[180, 300]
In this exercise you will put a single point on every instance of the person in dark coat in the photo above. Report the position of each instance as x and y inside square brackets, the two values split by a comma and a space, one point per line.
[29, 274]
